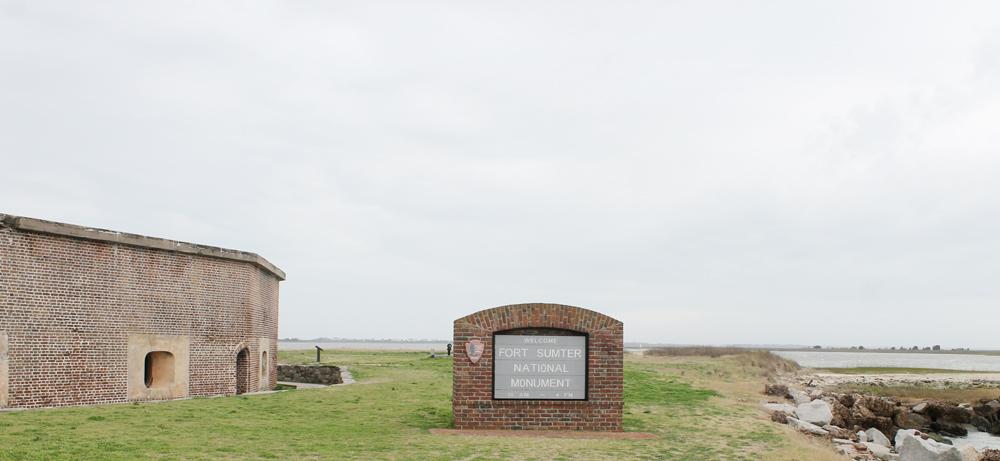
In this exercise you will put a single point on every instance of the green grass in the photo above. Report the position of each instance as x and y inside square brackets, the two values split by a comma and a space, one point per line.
[646, 386]
[892, 370]
[386, 416]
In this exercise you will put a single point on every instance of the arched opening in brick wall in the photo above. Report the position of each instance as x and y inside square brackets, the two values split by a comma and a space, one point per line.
[243, 371]
[264, 368]
[159, 370]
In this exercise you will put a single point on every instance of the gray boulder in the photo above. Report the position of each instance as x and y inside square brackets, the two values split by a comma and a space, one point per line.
[806, 427]
[970, 453]
[839, 432]
[773, 407]
[917, 449]
[798, 396]
[878, 437]
[816, 412]
[847, 450]
[902, 434]
[877, 449]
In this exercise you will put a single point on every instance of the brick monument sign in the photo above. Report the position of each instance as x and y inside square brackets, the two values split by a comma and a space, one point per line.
[538, 367]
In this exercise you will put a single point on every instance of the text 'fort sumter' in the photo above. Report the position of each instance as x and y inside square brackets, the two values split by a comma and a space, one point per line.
[540, 367]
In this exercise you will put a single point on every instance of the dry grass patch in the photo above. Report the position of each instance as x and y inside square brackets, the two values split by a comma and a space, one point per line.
[693, 351]
[760, 361]
[734, 419]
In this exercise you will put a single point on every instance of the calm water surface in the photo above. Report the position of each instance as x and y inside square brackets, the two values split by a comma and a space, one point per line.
[980, 440]
[965, 362]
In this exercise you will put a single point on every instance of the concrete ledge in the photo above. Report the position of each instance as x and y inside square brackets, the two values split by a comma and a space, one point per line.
[103, 235]
[562, 403]
[550, 434]
[298, 386]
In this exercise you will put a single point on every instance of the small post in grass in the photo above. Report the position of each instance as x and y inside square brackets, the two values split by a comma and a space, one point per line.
[318, 350]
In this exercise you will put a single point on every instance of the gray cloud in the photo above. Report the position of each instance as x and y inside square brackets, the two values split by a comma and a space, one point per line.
[707, 173]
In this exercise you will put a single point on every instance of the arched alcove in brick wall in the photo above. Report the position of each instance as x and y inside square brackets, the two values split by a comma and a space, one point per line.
[540, 392]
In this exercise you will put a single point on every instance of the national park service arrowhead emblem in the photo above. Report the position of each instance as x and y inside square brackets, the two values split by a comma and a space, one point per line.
[474, 349]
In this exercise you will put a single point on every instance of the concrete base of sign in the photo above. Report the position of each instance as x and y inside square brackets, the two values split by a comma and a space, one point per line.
[551, 434]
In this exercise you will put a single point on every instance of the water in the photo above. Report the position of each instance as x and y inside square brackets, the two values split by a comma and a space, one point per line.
[965, 362]
[439, 347]
[980, 440]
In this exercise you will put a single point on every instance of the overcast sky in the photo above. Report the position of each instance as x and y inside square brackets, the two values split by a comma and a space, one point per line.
[706, 172]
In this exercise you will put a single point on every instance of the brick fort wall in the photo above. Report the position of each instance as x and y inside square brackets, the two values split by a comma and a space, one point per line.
[71, 298]
[473, 406]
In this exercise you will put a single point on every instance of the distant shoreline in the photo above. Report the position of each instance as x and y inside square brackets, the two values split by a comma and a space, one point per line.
[903, 351]
[638, 345]
[340, 340]
[798, 348]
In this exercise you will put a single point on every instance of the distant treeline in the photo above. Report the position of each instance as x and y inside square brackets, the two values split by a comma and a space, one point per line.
[351, 340]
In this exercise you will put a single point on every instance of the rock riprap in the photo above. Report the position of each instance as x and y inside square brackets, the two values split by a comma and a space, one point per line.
[861, 425]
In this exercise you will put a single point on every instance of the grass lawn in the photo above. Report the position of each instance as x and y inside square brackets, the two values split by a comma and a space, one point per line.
[702, 408]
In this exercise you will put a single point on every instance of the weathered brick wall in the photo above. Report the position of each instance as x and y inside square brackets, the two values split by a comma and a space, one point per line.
[473, 406]
[68, 306]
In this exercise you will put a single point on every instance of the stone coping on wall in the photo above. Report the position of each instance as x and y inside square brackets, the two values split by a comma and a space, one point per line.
[104, 235]
[548, 434]
[514, 403]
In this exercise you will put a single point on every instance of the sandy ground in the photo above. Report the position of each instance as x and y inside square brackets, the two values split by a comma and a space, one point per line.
[927, 379]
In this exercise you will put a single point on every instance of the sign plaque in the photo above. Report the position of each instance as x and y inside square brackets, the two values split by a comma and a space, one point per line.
[530, 367]
[474, 349]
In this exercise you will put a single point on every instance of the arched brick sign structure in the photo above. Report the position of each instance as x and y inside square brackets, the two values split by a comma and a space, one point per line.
[538, 367]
